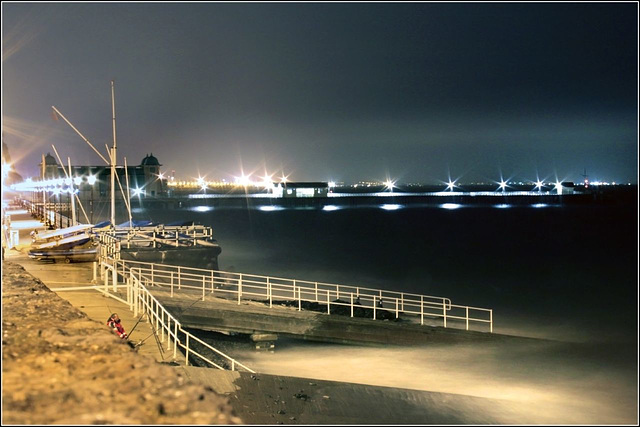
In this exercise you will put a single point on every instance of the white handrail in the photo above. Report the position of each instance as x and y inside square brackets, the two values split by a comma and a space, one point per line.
[146, 302]
[239, 286]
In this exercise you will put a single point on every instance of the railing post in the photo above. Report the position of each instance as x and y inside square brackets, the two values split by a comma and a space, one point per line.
[203, 285]
[444, 314]
[239, 288]
[114, 274]
[396, 308]
[491, 320]
[467, 317]
[299, 299]
[172, 284]
[316, 291]
[402, 301]
[135, 296]
[186, 353]
[374, 308]
[152, 280]
[270, 294]
[421, 310]
[212, 287]
[179, 279]
[294, 288]
[337, 292]
[95, 272]
[351, 304]
[175, 340]
[328, 303]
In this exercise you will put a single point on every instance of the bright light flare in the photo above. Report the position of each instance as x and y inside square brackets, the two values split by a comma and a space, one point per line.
[450, 185]
[503, 185]
[137, 192]
[77, 180]
[450, 206]
[91, 179]
[330, 208]
[558, 187]
[390, 184]
[244, 180]
[391, 207]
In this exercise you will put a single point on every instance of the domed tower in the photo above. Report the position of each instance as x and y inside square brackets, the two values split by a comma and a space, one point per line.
[154, 186]
[50, 170]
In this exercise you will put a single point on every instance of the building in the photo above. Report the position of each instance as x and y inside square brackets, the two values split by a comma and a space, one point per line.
[305, 189]
[143, 180]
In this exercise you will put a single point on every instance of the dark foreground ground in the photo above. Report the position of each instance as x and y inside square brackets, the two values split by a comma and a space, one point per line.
[60, 367]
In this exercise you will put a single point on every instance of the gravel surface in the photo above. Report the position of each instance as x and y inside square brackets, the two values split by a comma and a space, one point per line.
[60, 367]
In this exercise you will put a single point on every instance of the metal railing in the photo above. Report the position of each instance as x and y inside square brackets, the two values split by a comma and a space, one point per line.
[154, 236]
[169, 329]
[276, 290]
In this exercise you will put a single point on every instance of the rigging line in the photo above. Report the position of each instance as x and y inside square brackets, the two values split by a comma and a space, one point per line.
[81, 135]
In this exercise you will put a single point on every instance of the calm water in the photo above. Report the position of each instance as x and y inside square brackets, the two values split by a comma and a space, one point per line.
[560, 272]
[567, 273]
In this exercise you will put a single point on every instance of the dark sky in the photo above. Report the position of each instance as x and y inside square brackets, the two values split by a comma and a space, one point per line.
[325, 91]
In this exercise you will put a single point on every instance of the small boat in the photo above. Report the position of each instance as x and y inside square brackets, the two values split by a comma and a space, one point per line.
[66, 244]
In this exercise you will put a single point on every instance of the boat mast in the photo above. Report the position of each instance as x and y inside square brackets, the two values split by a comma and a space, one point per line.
[113, 158]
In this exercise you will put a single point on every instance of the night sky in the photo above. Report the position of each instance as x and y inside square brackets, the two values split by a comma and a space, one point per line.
[344, 92]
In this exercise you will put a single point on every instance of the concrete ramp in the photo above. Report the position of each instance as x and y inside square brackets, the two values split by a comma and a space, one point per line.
[271, 399]
[219, 314]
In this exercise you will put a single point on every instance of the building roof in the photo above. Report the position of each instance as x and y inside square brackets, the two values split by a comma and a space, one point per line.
[150, 160]
[306, 184]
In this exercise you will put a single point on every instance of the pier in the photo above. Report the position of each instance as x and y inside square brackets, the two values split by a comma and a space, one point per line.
[168, 302]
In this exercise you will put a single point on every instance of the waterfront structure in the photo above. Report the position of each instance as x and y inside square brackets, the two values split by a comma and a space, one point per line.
[144, 180]
[305, 189]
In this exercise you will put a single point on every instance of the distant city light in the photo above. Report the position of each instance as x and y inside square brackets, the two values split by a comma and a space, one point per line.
[137, 192]
[202, 208]
[270, 208]
[77, 180]
[558, 187]
[539, 184]
[450, 185]
[539, 205]
[450, 205]
[389, 184]
[330, 208]
[91, 179]
[161, 176]
[391, 207]
[244, 180]
[332, 184]
[503, 185]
